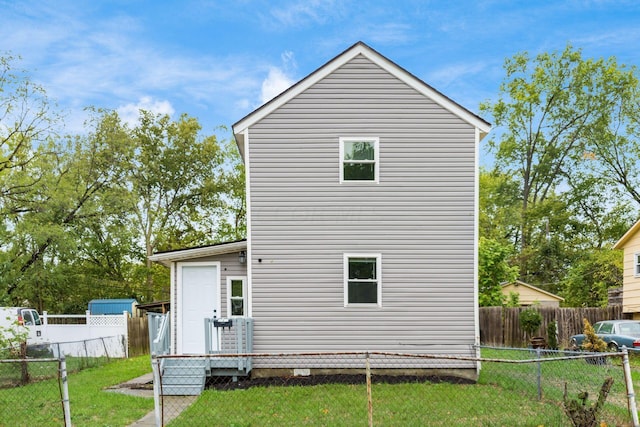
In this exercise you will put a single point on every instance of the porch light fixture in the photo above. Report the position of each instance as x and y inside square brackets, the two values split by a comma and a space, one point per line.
[242, 257]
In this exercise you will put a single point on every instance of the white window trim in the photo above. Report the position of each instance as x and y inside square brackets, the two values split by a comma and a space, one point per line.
[244, 295]
[636, 262]
[376, 158]
[378, 258]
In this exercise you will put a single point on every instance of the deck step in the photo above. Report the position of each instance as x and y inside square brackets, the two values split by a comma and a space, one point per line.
[183, 377]
[181, 390]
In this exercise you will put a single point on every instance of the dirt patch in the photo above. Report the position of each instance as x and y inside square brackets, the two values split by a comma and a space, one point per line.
[225, 383]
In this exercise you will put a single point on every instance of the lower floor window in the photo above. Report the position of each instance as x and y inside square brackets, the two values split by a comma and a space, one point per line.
[237, 296]
[362, 279]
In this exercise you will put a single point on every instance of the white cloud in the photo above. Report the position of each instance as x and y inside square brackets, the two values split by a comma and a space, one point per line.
[304, 12]
[279, 78]
[389, 33]
[451, 74]
[130, 113]
[275, 83]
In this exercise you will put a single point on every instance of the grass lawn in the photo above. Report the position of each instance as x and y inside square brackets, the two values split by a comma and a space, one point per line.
[506, 394]
[410, 404]
[38, 404]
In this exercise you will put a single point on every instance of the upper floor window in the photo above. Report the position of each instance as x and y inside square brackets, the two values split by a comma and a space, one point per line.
[359, 159]
[636, 264]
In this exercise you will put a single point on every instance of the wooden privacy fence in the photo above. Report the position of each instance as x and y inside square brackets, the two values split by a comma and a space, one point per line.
[138, 328]
[500, 326]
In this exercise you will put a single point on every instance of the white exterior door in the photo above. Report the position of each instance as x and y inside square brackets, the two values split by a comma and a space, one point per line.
[199, 297]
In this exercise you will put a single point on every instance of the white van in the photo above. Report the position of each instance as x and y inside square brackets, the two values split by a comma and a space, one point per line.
[27, 318]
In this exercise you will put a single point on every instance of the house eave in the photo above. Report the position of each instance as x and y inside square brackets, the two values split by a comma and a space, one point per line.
[630, 233]
[166, 258]
[359, 48]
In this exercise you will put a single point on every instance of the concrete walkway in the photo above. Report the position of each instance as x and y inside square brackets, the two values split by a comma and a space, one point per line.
[143, 387]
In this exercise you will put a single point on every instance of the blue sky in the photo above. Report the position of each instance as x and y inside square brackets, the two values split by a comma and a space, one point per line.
[219, 60]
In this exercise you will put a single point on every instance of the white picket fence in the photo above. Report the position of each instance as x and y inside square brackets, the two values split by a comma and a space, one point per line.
[99, 335]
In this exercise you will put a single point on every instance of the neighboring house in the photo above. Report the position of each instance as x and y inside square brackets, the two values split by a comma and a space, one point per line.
[362, 196]
[530, 295]
[630, 244]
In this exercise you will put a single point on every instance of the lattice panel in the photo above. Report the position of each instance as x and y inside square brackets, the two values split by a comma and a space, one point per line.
[106, 320]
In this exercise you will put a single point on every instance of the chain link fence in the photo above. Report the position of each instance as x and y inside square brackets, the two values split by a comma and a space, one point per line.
[33, 392]
[92, 352]
[33, 386]
[515, 387]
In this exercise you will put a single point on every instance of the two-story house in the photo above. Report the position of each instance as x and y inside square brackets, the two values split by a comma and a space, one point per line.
[362, 196]
[630, 244]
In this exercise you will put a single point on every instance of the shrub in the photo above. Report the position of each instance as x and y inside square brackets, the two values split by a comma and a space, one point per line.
[592, 342]
[530, 321]
[513, 300]
[11, 338]
[552, 335]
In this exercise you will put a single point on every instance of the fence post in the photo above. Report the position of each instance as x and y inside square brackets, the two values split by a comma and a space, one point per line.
[24, 377]
[369, 399]
[538, 353]
[155, 364]
[125, 320]
[631, 396]
[106, 352]
[65, 391]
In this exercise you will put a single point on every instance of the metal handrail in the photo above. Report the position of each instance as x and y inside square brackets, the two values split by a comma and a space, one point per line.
[160, 343]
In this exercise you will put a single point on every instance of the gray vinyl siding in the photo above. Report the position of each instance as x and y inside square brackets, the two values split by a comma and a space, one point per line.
[419, 217]
[229, 267]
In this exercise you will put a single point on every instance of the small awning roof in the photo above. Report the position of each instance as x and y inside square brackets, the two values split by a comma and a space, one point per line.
[166, 258]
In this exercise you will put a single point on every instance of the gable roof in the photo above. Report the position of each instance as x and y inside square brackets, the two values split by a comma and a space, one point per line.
[533, 288]
[359, 48]
[629, 234]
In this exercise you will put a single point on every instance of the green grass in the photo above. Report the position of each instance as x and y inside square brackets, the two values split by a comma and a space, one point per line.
[576, 376]
[38, 403]
[506, 394]
[10, 375]
[408, 404]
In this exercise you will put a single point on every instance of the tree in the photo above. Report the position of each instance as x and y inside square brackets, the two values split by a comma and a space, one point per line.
[26, 120]
[232, 224]
[493, 270]
[49, 216]
[499, 206]
[80, 215]
[26, 128]
[599, 213]
[590, 277]
[548, 107]
[175, 186]
[612, 145]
